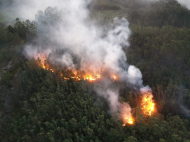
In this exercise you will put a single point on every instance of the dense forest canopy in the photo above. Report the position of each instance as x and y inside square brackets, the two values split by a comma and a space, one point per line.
[37, 104]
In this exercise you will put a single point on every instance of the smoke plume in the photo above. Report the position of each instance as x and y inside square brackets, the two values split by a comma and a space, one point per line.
[71, 39]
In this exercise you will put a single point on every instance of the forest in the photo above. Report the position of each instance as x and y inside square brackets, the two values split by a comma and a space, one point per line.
[38, 105]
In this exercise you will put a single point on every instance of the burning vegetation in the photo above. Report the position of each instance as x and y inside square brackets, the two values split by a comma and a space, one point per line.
[147, 104]
[147, 107]
[77, 75]
[88, 50]
[126, 115]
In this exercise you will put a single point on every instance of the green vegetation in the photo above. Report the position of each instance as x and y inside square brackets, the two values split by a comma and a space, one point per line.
[162, 54]
[51, 109]
[153, 14]
[37, 105]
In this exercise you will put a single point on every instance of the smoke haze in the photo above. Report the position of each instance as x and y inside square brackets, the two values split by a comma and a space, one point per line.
[26, 9]
[185, 3]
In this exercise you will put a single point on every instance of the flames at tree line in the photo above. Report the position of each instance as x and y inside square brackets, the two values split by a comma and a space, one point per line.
[147, 104]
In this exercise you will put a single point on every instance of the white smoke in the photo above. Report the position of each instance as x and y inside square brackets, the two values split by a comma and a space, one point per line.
[125, 114]
[111, 95]
[68, 30]
[67, 61]
[185, 3]
[26, 9]
[145, 89]
[134, 76]
[32, 52]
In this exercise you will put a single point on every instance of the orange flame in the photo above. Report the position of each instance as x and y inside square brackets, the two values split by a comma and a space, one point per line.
[129, 121]
[77, 75]
[126, 115]
[147, 104]
[114, 77]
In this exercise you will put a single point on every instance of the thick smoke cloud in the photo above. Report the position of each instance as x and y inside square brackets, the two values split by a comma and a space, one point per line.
[66, 32]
